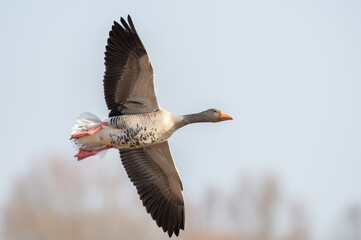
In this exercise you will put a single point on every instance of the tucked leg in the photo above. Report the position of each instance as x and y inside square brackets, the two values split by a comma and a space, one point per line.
[87, 152]
[88, 132]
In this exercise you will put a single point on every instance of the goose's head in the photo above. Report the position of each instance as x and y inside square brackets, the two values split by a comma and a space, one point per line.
[216, 115]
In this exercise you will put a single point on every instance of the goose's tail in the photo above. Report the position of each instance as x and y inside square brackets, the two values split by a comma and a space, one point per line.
[82, 139]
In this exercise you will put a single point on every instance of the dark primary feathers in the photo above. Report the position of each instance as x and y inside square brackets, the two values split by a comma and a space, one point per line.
[129, 78]
[152, 171]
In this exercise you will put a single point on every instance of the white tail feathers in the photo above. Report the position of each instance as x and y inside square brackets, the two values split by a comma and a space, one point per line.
[85, 122]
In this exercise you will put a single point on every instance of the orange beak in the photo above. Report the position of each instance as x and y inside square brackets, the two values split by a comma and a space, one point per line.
[225, 117]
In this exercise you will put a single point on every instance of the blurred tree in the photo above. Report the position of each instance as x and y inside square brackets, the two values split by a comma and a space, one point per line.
[350, 226]
[253, 208]
[299, 227]
[354, 219]
[211, 206]
[241, 208]
[266, 206]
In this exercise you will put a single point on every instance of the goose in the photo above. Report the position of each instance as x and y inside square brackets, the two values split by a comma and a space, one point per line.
[138, 128]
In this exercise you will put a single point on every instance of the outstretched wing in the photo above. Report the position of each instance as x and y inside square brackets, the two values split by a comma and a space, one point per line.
[129, 78]
[153, 172]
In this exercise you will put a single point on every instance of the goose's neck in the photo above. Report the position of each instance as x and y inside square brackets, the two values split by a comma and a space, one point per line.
[181, 121]
[194, 118]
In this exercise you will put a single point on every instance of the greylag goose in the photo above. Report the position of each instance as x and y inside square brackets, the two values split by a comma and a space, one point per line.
[139, 128]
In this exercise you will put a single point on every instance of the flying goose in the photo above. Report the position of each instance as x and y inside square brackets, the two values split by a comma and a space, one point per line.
[139, 128]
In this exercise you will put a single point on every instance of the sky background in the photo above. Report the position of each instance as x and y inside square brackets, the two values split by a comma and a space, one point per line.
[288, 71]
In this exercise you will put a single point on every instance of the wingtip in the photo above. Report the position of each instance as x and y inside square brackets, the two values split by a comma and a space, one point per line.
[130, 21]
[176, 231]
[125, 24]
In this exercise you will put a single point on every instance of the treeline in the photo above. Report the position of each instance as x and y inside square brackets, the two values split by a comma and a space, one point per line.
[63, 199]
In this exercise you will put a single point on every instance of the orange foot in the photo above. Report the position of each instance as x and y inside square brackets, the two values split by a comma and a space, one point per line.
[88, 132]
[87, 152]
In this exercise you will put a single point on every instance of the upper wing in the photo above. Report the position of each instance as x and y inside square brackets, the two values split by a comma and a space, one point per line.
[152, 171]
[129, 78]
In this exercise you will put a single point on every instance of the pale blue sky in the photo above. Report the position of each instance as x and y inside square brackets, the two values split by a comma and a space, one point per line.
[288, 71]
